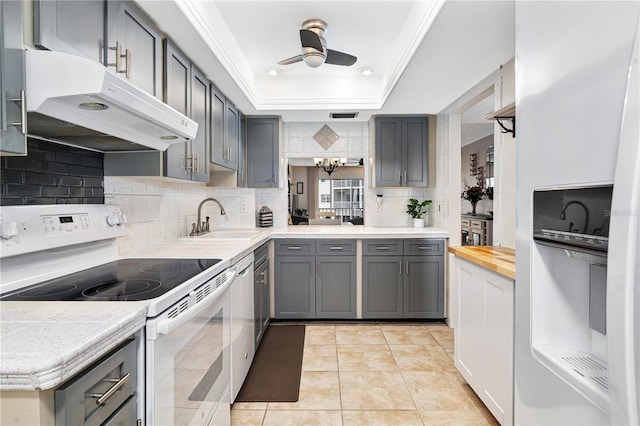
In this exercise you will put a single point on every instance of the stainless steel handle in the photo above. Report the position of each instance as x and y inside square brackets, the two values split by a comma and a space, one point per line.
[101, 399]
[399, 177]
[425, 248]
[128, 64]
[382, 248]
[405, 176]
[118, 63]
[294, 248]
[336, 248]
[406, 268]
[399, 268]
[23, 112]
[188, 162]
[196, 163]
[139, 422]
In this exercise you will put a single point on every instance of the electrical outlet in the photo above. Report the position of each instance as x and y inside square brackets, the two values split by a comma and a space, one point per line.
[243, 206]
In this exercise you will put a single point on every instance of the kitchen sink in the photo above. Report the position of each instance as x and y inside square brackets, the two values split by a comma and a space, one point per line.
[230, 234]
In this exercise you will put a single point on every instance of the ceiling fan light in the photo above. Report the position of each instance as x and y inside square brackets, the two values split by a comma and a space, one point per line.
[314, 60]
[273, 72]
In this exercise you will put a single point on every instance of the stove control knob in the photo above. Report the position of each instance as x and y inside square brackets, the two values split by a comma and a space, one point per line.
[122, 218]
[113, 219]
[8, 230]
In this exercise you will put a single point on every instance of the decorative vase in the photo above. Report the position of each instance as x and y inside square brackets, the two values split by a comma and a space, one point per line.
[418, 222]
[473, 207]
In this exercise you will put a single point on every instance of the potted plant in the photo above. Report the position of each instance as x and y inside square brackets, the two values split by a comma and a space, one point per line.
[415, 209]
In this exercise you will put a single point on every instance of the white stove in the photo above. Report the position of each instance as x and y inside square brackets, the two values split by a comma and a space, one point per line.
[69, 253]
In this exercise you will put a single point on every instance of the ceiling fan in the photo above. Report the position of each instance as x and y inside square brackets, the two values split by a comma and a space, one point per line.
[314, 47]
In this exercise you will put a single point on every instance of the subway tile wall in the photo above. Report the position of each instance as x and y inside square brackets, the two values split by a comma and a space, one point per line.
[52, 174]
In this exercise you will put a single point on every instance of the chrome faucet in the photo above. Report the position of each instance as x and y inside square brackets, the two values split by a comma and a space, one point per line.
[586, 212]
[201, 228]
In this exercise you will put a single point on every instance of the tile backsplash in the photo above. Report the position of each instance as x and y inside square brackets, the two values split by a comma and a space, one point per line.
[52, 174]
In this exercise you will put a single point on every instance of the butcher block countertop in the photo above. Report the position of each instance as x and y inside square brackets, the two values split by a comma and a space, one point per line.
[497, 259]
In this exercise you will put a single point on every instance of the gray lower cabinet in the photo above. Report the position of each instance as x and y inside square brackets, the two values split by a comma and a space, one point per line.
[70, 26]
[263, 154]
[403, 279]
[13, 128]
[382, 287]
[134, 46]
[315, 279]
[335, 287]
[295, 295]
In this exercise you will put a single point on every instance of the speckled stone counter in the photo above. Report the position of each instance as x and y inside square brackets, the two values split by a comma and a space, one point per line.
[43, 344]
[497, 259]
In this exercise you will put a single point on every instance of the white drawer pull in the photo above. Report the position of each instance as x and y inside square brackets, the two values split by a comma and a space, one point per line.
[336, 248]
[382, 248]
[424, 248]
[294, 248]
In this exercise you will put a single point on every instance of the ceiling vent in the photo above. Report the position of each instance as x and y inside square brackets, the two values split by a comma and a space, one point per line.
[343, 114]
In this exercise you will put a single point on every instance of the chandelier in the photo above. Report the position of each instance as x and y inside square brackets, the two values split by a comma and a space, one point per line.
[329, 165]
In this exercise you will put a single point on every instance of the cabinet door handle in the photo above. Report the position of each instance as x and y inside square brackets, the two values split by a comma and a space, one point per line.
[400, 177]
[336, 248]
[425, 248]
[400, 268]
[196, 163]
[101, 399]
[405, 176]
[118, 64]
[406, 268]
[294, 248]
[23, 113]
[128, 64]
[382, 248]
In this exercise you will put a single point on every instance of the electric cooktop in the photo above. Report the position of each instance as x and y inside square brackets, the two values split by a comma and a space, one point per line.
[121, 280]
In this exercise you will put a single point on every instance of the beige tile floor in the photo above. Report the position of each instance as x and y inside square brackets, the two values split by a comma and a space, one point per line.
[374, 374]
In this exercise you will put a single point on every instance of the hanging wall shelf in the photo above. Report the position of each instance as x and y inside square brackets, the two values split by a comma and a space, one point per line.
[506, 113]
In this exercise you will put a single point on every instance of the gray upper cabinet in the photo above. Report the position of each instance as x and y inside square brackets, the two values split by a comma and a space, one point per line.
[218, 152]
[135, 46]
[225, 122]
[13, 126]
[200, 113]
[263, 155]
[401, 149]
[241, 176]
[71, 26]
[187, 91]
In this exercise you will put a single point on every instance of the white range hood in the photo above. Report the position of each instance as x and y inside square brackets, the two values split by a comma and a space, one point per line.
[83, 94]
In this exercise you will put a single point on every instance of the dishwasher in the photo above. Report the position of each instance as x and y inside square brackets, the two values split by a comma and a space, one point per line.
[242, 344]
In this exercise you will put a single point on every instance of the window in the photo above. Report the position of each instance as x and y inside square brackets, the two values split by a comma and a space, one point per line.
[344, 197]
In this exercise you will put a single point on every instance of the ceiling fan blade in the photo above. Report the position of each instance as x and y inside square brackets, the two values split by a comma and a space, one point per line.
[338, 58]
[310, 39]
[291, 60]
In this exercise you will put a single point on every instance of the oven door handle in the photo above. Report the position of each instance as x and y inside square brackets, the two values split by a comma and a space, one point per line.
[170, 325]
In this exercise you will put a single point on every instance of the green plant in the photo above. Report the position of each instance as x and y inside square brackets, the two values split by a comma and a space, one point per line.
[416, 208]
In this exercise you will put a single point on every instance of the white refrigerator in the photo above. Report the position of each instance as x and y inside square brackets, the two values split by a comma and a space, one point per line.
[577, 95]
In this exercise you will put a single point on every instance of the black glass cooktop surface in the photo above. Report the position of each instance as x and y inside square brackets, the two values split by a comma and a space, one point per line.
[122, 280]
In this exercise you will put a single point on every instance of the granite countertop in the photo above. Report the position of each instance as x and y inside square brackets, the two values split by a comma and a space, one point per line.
[497, 259]
[43, 344]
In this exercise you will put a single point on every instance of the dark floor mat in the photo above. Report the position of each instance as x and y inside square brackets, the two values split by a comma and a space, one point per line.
[274, 375]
